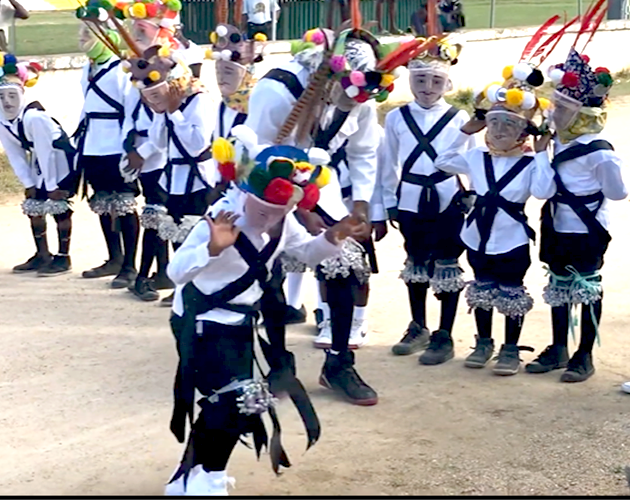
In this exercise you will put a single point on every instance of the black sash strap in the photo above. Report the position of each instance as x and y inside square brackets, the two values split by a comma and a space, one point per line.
[288, 79]
[129, 144]
[324, 137]
[488, 205]
[93, 85]
[577, 203]
[429, 202]
[239, 119]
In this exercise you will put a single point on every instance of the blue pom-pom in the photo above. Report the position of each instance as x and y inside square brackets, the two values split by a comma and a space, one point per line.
[10, 59]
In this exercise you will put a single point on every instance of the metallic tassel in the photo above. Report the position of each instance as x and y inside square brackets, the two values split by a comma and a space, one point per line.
[169, 230]
[481, 294]
[114, 204]
[513, 301]
[152, 215]
[292, 265]
[351, 259]
[414, 274]
[41, 208]
[447, 278]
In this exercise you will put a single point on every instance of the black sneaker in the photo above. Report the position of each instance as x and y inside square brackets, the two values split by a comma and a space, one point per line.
[145, 290]
[60, 264]
[415, 339]
[482, 353]
[339, 375]
[293, 316]
[509, 361]
[580, 367]
[35, 263]
[162, 282]
[110, 268]
[440, 349]
[168, 301]
[125, 278]
[553, 357]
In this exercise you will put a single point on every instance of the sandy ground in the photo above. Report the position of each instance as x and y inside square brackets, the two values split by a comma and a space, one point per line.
[86, 374]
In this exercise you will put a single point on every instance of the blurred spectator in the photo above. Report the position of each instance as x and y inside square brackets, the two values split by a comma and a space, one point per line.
[419, 20]
[257, 15]
[451, 15]
[391, 14]
[344, 11]
[9, 11]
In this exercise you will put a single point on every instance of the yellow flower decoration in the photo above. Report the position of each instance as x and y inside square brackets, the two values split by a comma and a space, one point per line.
[139, 10]
[223, 150]
[387, 80]
[209, 53]
[514, 97]
[323, 178]
[260, 37]
[507, 72]
[213, 37]
[544, 103]
[154, 75]
[164, 51]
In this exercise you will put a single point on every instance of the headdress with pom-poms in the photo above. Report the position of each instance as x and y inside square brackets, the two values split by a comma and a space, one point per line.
[18, 74]
[281, 175]
[575, 78]
[165, 14]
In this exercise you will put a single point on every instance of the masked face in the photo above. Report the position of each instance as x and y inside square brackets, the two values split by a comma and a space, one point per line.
[230, 75]
[144, 33]
[428, 87]
[505, 129]
[12, 100]
[87, 39]
[565, 111]
[340, 99]
[157, 97]
[261, 215]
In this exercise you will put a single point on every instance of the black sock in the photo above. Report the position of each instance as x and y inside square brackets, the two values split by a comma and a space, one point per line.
[112, 239]
[483, 319]
[513, 327]
[341, 302]
[560, 325]
[150, 241]
[161, 254]
[449, 310]
[130, 229]
[418, 302]
[213, 447]
[64, 231]
[588, 327]
[38, 228]
[175, 246]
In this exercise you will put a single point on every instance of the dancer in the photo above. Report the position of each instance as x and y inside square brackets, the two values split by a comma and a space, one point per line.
[584, 174]
[427, 203]
[223, 267]
[106, 89]
[347, 122]
[41, 156]
[496, 232]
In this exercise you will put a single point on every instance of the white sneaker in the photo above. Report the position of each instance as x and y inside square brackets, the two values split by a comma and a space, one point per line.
[324, 339]
[626, 387]
[358, 334]
[209, 484]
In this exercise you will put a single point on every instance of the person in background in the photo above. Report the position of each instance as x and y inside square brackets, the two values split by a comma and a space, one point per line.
[391, 13]
[257, 16]
[344, 12]
[9, 11]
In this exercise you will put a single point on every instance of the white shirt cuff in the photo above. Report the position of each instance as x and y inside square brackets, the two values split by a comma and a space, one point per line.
[378, 212]
[177, 117]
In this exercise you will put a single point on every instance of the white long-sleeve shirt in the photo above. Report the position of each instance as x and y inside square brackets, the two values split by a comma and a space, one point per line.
[270, 104]
[140, 120]
[226, 120]
[400, 143]
[590, 174]
[192, 261]
[378, 213]
[47, 165]
[104, 137]
[193, 128]
[506, 233]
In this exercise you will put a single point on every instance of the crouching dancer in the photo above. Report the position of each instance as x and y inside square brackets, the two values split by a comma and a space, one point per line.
[220, 271]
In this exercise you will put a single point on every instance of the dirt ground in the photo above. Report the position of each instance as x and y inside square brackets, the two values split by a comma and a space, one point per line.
[86, 374]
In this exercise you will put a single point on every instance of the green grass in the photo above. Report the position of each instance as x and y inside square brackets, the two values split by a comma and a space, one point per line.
[47, 33]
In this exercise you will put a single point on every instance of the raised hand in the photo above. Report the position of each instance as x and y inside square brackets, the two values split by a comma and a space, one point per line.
[313, 222]
[348, 227]
[136, 161]
[223, 232]
[175, 98]
[541, 143]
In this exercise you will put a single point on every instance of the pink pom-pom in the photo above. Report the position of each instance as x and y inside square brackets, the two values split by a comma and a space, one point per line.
[358, 78]
[318, 38]
[22, 72]
[337, 63]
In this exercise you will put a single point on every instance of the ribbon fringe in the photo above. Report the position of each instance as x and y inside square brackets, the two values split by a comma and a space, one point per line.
[573, 289]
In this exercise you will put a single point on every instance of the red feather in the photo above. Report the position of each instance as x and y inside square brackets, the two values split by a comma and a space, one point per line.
[557, 36]
[432, 20]
[598, 21]
[355, 13]
[591, 12]
[542, 31]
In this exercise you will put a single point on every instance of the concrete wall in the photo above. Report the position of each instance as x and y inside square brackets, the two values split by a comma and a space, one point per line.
[485, 54]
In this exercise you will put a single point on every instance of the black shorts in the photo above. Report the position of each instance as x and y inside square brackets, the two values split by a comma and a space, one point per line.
[151, 189]
[69, 183]
[506, 269]
[582, 251]
[179, 205]
[428, 240]
[103, 174]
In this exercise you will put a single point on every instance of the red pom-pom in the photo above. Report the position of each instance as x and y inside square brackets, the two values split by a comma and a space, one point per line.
[362, 97]
[586, 59]
[36, 66]
[601, 69]
[152, 9]
[227, 171]
[390, 89]
[311, 197]
[570, 79]
[279, 191]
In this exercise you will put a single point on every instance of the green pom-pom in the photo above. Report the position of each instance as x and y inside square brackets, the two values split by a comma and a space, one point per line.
[174, 5]
[105, 4]
[382, 96]
[81, 12]
[298, 46]
[258, 181]
[281, 168]
[605, 79]
[385, 49]
[10, 69]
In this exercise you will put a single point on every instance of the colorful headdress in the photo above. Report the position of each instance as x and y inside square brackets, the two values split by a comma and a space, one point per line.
[280, 175]
[18, 74]
[439, 58]
[155, 66]
[164, 13]
[230, 44]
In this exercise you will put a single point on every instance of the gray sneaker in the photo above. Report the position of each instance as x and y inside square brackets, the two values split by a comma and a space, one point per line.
[415, 339]
[482, 353]
[509, 361]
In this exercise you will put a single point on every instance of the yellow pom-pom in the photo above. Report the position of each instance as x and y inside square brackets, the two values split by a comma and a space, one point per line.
[544, 104]
[507, 72]
[154, 75]
[214, 37]
[1, 59]
[139, 10]
[208, 53]
[323, 178]
[260, 37]
[304, 166]
[164, 51]
[30, 83]
[514, 97]
[223, 151]
[387, 79]
[127, 11]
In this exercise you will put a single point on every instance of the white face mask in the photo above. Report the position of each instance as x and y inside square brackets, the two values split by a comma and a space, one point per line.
[428, 87]
[144, 33]
[87, 39]
[229, 76]
[157, 97]
[261, 215]
[340, 99]
[12, 101]
[505, 129]
[565, 111]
